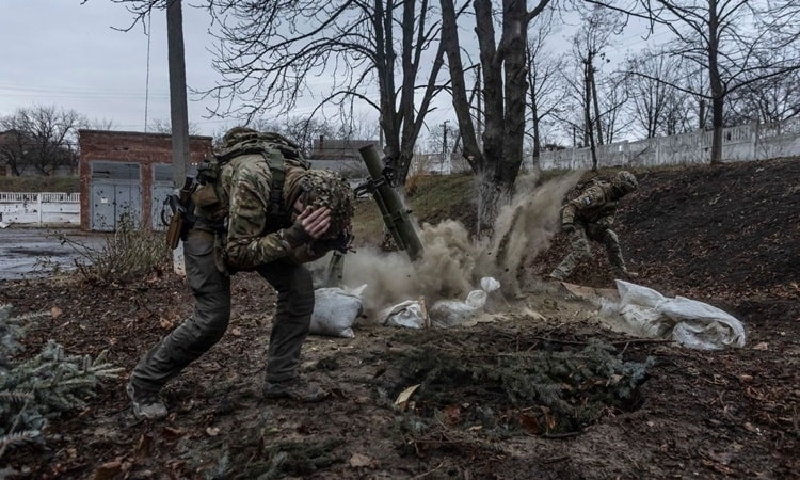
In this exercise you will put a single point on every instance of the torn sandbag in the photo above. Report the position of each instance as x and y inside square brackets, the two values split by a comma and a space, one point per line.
[409, 314]
[449, 313]
[690, 323]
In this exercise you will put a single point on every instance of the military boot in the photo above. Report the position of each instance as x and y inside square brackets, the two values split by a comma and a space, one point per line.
[146, 405]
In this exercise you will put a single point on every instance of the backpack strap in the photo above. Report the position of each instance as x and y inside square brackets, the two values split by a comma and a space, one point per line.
[277, 166]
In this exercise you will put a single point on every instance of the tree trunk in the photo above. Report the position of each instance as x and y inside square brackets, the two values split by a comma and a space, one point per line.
[537, 141]
[497, 164]
[715, 81]
[702, 114]
[587, 110]
[593, 85]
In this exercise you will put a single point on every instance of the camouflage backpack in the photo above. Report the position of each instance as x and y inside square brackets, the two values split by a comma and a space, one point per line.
[583, 185]
[326, 189]
[276, 149]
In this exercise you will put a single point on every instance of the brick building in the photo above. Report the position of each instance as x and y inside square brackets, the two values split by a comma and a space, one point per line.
[340, 156]
[127, 173]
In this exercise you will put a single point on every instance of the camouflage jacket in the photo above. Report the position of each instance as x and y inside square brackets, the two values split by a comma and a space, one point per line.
[244, 188]
[596, 204]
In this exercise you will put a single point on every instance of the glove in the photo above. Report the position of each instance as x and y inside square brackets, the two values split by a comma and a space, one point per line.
[295, 235]
[567, 228]
[340, 244]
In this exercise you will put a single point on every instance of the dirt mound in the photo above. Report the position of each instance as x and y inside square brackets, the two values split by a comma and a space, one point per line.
[725, 235]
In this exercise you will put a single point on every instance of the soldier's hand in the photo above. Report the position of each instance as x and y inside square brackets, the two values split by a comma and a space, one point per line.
[315, 221]
[309, 225]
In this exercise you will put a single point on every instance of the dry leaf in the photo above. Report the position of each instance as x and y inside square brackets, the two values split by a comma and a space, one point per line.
[166, 324]
[236, 332]
[360, 460]
[212, 431]
[405, 395]
[56, 312]
[530, 424]
[171, 432]
[453, 414]
[108, 470]
[144, 445]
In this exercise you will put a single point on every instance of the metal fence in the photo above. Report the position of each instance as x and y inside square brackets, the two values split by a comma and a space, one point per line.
[44, 208]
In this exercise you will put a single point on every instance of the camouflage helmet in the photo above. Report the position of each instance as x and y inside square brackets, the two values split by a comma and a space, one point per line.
[625, 181]
[323, 188]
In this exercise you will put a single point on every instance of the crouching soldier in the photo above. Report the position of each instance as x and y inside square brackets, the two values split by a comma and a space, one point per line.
[589, 216]
[257, 207]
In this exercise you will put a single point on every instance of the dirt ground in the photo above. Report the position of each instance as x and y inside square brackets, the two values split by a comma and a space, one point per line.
[728, 236]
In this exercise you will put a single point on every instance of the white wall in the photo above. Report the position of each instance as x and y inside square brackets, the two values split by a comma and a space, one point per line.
[742, 143]
[40, 208]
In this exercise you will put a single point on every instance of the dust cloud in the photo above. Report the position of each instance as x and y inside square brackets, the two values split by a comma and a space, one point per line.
[526, 226]
[452, 262]
[445, 270]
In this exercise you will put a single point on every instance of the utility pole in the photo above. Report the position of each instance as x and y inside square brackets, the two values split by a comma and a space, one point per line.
[445, 160]
[177, 93]
[480, 108]
[179, 109]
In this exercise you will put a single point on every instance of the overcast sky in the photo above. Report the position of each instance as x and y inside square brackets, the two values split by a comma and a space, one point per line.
[62, 53]
[68, 55]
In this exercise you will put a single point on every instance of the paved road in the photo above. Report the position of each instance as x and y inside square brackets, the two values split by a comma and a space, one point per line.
[35, 252]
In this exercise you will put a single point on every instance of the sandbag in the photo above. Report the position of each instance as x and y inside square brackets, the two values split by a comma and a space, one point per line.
[336, 310]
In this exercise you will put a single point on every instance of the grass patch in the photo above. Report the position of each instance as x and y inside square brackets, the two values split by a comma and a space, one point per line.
[37, 184]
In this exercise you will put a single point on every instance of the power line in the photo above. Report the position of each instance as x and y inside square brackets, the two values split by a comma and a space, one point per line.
[147, 72]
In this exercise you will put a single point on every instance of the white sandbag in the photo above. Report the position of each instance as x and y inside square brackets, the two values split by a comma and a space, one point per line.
[690, 323]
[449, 313]
[405, 314]
[489, 284]
[335, 311]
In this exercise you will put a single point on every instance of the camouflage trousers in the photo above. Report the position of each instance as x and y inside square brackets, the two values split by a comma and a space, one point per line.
[211, 289]
[581, 249]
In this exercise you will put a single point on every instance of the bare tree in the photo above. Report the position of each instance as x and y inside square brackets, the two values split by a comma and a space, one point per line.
[612, 108]
[357, 125]
[589, 48]
[13, 146]
[443, 141]
[547, 91]
[656, 106]
[272, 53]
[99, 124]
[769, 100]
[44, 138]
[730, 40]
[505, 87]
[160, 125]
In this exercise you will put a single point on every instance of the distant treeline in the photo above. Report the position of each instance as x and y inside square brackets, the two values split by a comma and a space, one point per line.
[40, 184]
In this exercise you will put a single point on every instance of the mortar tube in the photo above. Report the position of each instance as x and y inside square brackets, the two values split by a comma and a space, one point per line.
[395, 215]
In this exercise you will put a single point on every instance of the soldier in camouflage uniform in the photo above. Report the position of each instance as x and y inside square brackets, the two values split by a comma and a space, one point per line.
[317, 219]
[589, 216]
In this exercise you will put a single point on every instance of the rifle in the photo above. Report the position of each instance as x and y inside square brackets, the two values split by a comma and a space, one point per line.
[178, 203]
